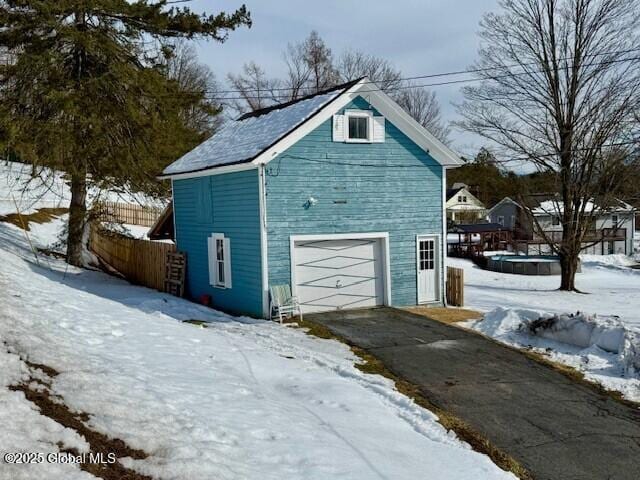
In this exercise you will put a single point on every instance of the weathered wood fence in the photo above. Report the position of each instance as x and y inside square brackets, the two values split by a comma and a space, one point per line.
[129, 213]
[140, 261]
[455, 286]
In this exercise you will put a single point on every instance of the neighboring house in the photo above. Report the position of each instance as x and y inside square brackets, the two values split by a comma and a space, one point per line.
[510, 215]
[463, 207]
[339, 194]
[612, 232]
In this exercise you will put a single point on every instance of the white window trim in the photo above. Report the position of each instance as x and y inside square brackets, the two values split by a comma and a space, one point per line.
[360, 114]
[501, 220]
[213, 261]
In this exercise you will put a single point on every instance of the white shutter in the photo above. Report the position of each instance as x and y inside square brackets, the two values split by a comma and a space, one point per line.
[227, 263]
[211, 249]
[338, 128]
[378, 130]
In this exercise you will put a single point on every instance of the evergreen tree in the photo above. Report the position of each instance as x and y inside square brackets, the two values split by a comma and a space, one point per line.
[87, 90]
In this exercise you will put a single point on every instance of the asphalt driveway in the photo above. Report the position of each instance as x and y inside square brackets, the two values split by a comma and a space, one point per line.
[554, 427]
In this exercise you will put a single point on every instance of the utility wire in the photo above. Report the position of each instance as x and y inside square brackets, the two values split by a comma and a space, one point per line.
[405, 87]
[442, 74]
[391, 165]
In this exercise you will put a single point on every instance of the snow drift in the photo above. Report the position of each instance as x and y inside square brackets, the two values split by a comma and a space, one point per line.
[579, 329]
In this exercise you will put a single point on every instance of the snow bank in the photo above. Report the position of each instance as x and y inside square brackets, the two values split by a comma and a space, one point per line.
[603, 347]
[580, 330]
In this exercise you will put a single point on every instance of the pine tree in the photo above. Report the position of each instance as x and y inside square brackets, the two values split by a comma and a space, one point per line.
[87, 92]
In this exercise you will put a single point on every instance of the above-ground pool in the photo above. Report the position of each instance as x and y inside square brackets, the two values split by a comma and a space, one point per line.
[525, 264]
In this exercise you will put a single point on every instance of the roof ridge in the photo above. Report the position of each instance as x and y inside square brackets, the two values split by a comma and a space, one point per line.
[279, 106]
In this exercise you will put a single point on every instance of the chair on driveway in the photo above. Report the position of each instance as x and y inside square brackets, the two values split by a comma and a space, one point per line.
[283, 304]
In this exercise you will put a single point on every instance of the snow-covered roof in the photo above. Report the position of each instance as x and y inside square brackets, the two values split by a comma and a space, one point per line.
[258, 137]
[554, 207]
[242, 140]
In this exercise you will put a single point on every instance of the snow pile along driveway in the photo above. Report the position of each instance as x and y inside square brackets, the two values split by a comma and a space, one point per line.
[604, 348]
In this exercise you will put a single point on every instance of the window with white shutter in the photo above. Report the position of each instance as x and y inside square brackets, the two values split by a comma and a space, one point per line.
[338, 128]
[358, 126]
[219, 250]
[378, 130]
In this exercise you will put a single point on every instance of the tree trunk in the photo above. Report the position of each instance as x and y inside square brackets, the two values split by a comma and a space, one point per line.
[77, 217]
[569, 267]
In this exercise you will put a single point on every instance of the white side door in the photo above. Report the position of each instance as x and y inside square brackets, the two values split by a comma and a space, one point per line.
[427, 268]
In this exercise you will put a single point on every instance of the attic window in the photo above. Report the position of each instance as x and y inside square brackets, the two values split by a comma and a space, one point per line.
[358, 128]
[358, 125]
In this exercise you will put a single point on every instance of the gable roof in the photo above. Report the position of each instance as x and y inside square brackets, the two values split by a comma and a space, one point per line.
[257, 137]
[542, 204]
[504, 200]
[451, 192]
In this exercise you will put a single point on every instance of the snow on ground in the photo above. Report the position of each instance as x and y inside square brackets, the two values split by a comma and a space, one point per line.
[49, 191]
[240, 399]
[612, 296]
[610, 287]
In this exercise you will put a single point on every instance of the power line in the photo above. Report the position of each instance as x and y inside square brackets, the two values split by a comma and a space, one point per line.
[391, 165]
[405, 87]
[442, 74]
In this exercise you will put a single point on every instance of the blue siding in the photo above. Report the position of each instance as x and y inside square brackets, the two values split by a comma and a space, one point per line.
[397, 188]
[226, 204]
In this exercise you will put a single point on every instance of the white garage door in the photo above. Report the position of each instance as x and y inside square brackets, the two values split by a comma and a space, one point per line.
[338, 274]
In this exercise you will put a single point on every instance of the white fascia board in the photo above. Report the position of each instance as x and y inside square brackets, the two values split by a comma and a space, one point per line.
[309, 126]
[239, 167]
[383, 104]
[407, 125]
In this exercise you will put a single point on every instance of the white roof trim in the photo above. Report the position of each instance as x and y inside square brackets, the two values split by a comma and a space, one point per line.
[377, 98]
[237, 167]
[383, 104]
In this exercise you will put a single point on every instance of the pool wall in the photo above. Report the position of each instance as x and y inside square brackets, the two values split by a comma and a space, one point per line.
[526, 265]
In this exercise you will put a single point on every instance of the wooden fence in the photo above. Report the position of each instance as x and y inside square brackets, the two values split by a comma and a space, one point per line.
[455, 286]
[130, 213]
[140, 261]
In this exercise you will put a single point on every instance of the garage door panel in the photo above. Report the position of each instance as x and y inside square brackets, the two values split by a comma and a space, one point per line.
[338, 274]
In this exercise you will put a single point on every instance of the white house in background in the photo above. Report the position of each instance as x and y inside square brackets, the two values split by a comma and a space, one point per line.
[463, 206]
[612, 232]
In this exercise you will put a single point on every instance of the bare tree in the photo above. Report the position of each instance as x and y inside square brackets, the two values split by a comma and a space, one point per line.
[254, 90]
[423, 106]
[311, 68]
[566, 106]
[183, 66]
[319, 59]
[298, 72]
[354, 64]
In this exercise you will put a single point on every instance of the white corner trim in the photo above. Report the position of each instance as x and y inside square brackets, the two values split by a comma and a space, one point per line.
[384, 236]
[263, 242]
[173, 213]
[444, 244]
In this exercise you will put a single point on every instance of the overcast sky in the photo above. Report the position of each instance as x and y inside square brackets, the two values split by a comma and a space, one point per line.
[419, 36]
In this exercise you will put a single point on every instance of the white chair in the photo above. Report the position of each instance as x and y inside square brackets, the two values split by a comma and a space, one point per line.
[283, 304]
